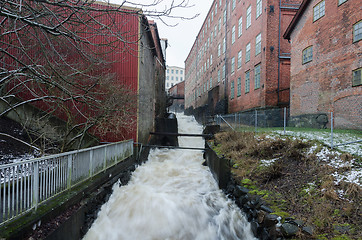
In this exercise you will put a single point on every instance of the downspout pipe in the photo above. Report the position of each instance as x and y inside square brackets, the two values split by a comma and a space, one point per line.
[226, 60]
[279, 35]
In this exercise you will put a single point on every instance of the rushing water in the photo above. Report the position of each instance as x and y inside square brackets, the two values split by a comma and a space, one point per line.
[171, 196]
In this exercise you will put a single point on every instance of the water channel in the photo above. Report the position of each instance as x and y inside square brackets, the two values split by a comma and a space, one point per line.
[171, 197]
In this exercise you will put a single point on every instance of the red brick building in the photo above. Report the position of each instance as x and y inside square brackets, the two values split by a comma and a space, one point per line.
[327, 61]
[239, 60]
[178, 92]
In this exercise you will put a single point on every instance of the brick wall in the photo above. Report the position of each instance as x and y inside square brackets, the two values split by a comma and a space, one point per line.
[325, 84]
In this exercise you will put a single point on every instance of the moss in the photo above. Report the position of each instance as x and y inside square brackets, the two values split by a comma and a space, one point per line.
[282, 214]
[341, 237]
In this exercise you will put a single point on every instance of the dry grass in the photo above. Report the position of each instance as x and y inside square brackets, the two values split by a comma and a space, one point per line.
[288, 180]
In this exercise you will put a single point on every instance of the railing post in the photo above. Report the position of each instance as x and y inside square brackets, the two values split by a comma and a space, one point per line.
[105, 158]
[35, 185]
[332, 130]
[69, 172]
[91, 163]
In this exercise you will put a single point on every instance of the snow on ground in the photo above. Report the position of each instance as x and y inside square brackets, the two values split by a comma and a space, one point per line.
[325, 137]
[348, 171]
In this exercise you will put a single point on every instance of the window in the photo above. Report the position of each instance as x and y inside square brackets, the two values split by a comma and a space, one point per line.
[224, 45]
[239, 59]
[318, 10]
[181, 72]
[257, 76]
[220, 3]
[172, 78]
[234, 4]
[233, 35]
[232, 90]
[215, 9]
[211, 37]
[210, 82]
[307, 55]
[224, 16]
[180, 79]
[218, 76]
[218, 50]
[258, 44]
[240, 26]
[258, 8]
[357, 80]
[219, 24]
[168, 70]
[212, 16]
[207, 85]
[357, 31]
[215, 31]
[239, 87]
[176, 78]
[172, 71]
[210, 59]
[223, 72]
[167, 78]
[341, 1]
[176, 71]
[247, 81]
[247, 53]
[232, 65]
[248, 17]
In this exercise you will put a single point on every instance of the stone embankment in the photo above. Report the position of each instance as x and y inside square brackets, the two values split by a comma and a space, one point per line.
[264, 224]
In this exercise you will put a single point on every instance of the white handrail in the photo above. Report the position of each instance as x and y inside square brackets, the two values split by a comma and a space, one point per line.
[27, 184]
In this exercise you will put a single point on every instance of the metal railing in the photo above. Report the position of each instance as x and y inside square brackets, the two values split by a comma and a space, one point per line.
[24, 185]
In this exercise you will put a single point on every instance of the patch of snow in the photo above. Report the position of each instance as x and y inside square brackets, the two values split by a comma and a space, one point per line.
[325, 137]
[268, 163]
[352, 176]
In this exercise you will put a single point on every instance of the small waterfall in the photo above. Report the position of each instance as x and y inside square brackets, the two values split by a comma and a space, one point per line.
[172, 196]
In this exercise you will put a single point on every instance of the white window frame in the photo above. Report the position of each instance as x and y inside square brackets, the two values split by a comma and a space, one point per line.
[319, 10]
[247, 52]
[259, 8]
[258, 44]
[233, 35]
[240, 26]
[248, 17]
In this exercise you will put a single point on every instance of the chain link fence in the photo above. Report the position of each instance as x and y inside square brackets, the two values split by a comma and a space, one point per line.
[342, 131]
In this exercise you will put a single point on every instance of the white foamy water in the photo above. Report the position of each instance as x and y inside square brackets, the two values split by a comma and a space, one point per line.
[171, 197]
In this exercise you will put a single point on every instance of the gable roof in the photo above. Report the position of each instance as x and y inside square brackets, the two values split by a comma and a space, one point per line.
[296, 19]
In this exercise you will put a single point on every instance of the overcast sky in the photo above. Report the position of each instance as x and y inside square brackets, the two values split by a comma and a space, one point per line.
[182, 36]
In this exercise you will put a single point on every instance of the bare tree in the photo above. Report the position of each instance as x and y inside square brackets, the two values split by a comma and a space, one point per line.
[55, 54]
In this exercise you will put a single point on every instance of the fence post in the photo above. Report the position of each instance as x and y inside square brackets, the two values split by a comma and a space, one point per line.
[256, 121]
[35, 185]
[285, 118]
[235, 124]
[332, 130]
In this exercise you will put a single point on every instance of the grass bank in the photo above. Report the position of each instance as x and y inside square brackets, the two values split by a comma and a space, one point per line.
[299, 179]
